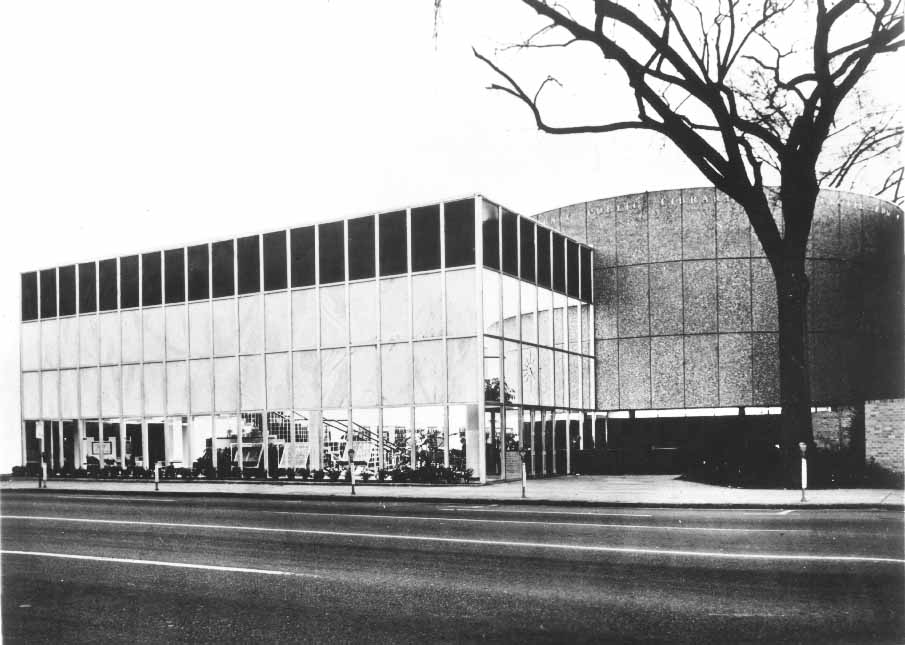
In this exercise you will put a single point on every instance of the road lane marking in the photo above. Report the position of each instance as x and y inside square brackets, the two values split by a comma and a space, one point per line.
[129, 499]
[542, 523]
[786, 512]
[157, 563]
[508, 543]
[487, 509]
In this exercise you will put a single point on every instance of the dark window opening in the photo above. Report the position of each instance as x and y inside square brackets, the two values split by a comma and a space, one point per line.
[510, 243]
[150, 279]
[48, 293]
[426, 238]
[128, 282]
[543, 257]
[361, 248]
[526, 236]
[586, 274]
[491, 230]
[87, 288]
[331, 254]
[248, 254]
[275, 260]
[559, 263]
[459, 237]
[174, 275]
[393, 253]
[198, 274]
[302, 242]
[106, 270]
[66, 287]
[222, 280]
[572, 269]
[29, 296]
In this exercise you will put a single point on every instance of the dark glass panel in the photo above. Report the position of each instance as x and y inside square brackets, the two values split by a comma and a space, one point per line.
[248, 254]
[586, 274]
[543, 257]
[174, 275]
[29, 296]
[426, 238]
[48, 279]
[393, 253]
[107, 283]
[572, 269]
[331, 254]
[459, 230]
[510, 242]
[87, 288]
[361, 248]
[150, 279]
[198, 274]
[559, 263]
[491, 229]
[128, 282]
[302, 243]
[66, 287]
[526, 236]
[274, 260]
[222, 280]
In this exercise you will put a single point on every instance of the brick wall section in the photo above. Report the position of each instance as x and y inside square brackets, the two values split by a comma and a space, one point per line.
[834, 430]
[884, 431]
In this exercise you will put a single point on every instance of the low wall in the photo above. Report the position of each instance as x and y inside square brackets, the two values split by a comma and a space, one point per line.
[884, 434]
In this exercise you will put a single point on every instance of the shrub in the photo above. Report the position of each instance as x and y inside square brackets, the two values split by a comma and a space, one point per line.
[318, 475]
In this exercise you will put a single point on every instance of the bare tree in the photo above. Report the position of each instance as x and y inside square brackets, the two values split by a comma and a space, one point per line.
[745, 90]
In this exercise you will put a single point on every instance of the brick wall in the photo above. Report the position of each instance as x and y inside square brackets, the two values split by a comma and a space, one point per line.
[884, 433]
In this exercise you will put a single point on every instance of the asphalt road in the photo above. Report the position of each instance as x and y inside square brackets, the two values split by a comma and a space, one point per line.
[80, 567]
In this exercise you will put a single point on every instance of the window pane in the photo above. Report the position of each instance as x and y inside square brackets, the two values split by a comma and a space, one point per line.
[174, 275]
[249, 261]
[572, 268]
[491, 229]
[275, 260]
[67, 290]
[198, 275]
[526, 236]
[128, 282]
[559, 263]
[30, 296]
[397, 437]
[430, 444]
[393, 254]
[150, 279]
[586, 274]
[426, 238]
[332, 257]
[107, 280]
[459, 232]
[361, 248]
[302, 243]
[87, 288]
[222, 269]
[48, 293]
[543, 257]
[510, 242]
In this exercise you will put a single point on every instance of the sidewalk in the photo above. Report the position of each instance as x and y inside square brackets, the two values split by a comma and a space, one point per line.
[595, 490]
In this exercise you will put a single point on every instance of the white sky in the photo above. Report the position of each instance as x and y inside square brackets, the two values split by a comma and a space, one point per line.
[132, 126]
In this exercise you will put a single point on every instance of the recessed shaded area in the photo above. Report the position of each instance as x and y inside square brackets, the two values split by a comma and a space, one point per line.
[426, 238]
[198, 273]
[361, 248]
[274, 260]
[574, 285]
[393, 253]
[459, 236]
[301, 242]
[331, 252]
[559, 263]
[174, 275]
[248, 252]
[586, 274]
[128, 282]
[87, 288]
[222, 280]
[107, 285]
[510, 242]
[48, 293]
[526, 236]
[151, 289]
[490, 228]
[543, 257]
[29, 296]
[66, 287]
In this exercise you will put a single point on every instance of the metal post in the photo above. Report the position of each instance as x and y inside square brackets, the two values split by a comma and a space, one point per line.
[156, 475]
[352, 468]
[803, 447]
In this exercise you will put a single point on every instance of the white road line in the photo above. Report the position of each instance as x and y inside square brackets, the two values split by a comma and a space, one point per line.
[130, 499]
[487, 509]
[448, 540]
[157, 563]
[786, 512]
[542, 523]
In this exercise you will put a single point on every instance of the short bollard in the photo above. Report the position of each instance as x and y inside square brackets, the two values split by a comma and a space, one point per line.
[803, 447]
[523, 453]
[157, 476]
[352, 469]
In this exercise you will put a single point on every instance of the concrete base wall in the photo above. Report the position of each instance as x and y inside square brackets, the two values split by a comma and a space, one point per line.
[884, 434]
[836, 429]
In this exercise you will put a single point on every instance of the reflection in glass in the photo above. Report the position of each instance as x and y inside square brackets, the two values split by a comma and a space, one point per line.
[491, 294]
[393, 252]
[222, 269]
[301, 243]
[529, 374]
[426, 238]
[510, 307]
[512, 371]
[430, 443]
[492, 368]
[366, 442]
[528, 319]
[198, 274]
[572, 269]
[458, 438]
[559, 312]
[335, 439]
[199, 450]
[526, 440]
[397, 437]
[545, 376]
[251, 458]
[128, 282]
[574, 340]
[493, 448]
[331, 252]
[174, 278]
[559, 263]
[526, 240]
[274, 260]
[361, 248]
[586, 339]
[151, 292]
[225, 439]
[586, 274]
[279, 436]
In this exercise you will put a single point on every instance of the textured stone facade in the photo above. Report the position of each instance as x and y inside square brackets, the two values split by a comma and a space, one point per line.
[884, 434]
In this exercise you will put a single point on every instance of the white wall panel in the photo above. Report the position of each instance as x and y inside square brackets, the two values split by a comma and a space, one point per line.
[87, 340]
[31, 395]
[155, 389]
[306, 380]
[176, 333]
[31, 346]
[132, 391]
[396, 374]
[430, 372]
[69, 394]
[131, 330]
[276, 322]
[177, 383]
[152, 328]
[88, 392]
[512, 370]
[545, 376]
[110, 338]
[334, 378]
[69, 342]
[111, 392]
[394, 309]
[363, 312]
[50, 345]
[333, 316]
[463, 359]
[50, 393]
[304, 319]
[278, 376]
[251, 325]
[427, 306]
[226, 328]
[574, 381]
[200, 385]
[226, 384]
[461, 303]
[251, 378]
[560, 379]
[364, 376]
[200, 330]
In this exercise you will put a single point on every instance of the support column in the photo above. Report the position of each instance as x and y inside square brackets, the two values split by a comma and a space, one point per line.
[185, 426]
[543, 442]
[240, 457]
[122, 444]
[553, 441]
[445, 432]
[569, 443]
[61, 458]
[144, 445]
[78, 451]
